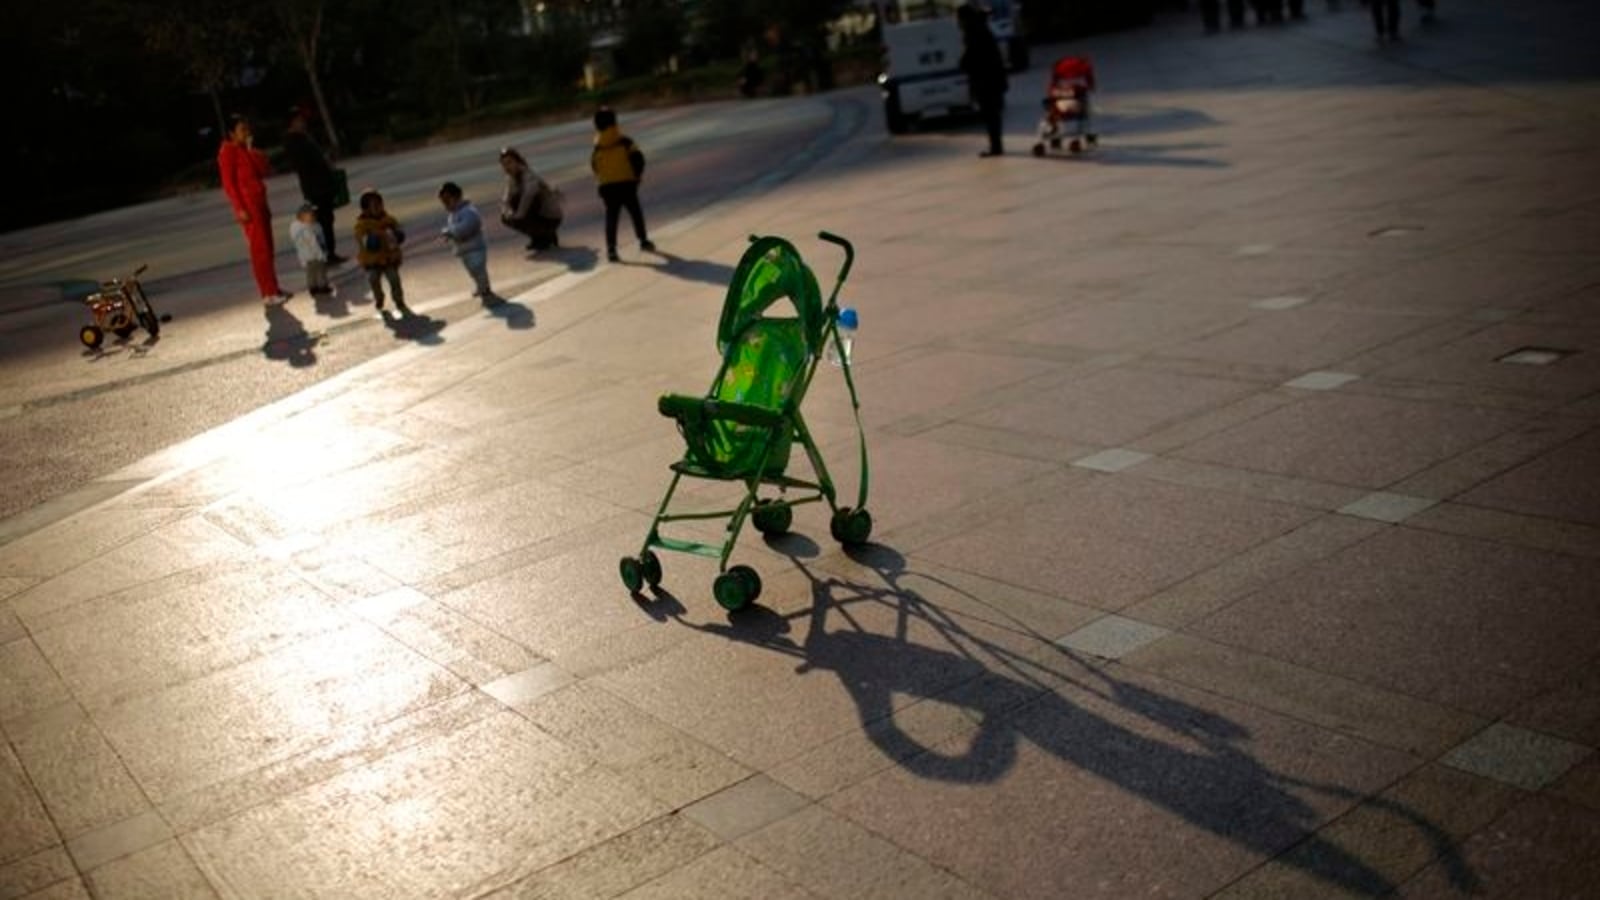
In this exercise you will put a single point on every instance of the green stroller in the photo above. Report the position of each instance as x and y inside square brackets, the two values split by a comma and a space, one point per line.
[744, 427]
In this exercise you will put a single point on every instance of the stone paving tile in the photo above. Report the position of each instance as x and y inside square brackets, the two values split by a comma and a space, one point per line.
[1471, 361]
[1453, 640]
[1111, 407]
[1569, 710]
[469, 650]
[269, 709]
[440, 818]
[25, 827]
[613, 867]
[153, 640]
[1581, 784]
[528, 685]
[111, 842]
[1510, 528]
[1113, 460]
[1001, 440]
[1180, 434]
[76, 540]
[164, 870]
[932, 381]
[1116, 540]
[1352, 440]
[1532, 440]
[27, 682]
[1517, 756]
[859, 864]
[71, 889]
[77, 774]
[1144, 780]
[1542, 847]
[1112, 637]
[722, 874]
[1241, 575]
[1370, 713]
[664, 761]
[1308, 337]
[1383, 506]
[1321, 381]
[1557, 484]
[1420, 820]
[745, 807]
[1126, 325]
[1260, 485]
[36, 872]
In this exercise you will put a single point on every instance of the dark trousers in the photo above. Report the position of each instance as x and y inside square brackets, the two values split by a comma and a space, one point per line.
[1386, 17]
[1211, 14]
[1236, 13]
[993, 108]
[617, 196]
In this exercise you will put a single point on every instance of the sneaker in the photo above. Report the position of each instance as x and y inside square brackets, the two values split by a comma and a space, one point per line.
[274, 300]
[611, 256]
[335, 259]
[647, 245]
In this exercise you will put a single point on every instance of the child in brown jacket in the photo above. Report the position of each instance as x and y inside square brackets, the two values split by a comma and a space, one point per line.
[378, 240]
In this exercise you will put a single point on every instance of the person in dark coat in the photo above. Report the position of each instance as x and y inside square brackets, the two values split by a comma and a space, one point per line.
[315, 171]
[986, 71]
[1386, 19]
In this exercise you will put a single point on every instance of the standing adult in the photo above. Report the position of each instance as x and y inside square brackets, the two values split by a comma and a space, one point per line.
[1386, 19]
[315, 171]
[986, 71]
[244, 170]
[529, 205]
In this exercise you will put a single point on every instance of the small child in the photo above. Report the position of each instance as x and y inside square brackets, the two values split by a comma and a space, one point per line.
[618, 165]
[463, 228]
[378, 240]
[306, 235]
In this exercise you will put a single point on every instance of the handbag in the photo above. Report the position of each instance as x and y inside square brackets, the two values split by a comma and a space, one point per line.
[341, 189]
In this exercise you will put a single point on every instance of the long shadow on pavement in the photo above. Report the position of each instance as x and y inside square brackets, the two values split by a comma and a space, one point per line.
[288, 340]
[1219, 786]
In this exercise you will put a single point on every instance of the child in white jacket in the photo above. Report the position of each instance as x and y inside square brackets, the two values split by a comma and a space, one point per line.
[463, 229]
[306, 235]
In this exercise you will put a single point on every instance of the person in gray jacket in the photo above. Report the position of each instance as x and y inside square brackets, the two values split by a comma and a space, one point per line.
[463, 229]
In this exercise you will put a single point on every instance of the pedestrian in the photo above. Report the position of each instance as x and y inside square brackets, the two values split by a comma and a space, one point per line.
[1386, 19]
[529, 205]
[305, 233]
[318, 178]
[1211, 15]
[463, 230]
[244, 170]
[618, 165]
[1427, 9]
[378, 240]
[986, 71]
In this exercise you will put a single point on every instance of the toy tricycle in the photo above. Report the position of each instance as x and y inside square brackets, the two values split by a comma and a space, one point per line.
[119, 307]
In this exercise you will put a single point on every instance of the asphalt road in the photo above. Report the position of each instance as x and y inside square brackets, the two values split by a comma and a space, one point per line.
[69, 415]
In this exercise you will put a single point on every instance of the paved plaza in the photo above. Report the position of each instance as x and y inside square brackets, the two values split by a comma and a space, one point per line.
[1237, 492]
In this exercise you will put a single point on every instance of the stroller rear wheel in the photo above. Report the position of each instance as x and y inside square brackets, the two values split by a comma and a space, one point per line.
[771, 517]
[851, 527]
[632, 574]
[650, 567]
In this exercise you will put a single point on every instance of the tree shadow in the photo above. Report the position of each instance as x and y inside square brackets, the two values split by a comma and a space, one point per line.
[418, 328]
[1187, 760]
[287, 340]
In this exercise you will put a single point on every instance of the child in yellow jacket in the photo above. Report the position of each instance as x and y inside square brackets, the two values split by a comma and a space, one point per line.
[378, 240]
[618, 165]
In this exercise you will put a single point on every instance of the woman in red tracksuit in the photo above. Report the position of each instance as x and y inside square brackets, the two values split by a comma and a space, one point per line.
[244, 170]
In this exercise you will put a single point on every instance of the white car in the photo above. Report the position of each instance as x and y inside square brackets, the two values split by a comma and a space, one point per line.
[922, 48]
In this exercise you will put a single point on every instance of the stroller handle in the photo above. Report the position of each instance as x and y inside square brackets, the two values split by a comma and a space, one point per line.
[849, 256]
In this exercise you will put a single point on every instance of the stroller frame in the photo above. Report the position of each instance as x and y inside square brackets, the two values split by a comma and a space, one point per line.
[1067, 100]
[744, 427]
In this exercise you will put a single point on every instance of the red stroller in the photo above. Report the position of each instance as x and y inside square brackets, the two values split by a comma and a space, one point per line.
[1067, 100]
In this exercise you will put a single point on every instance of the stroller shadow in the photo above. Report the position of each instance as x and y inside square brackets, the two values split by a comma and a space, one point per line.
[1158, 155]
[287, 340]
[1140, 121]
[1179, 757]
[416, 327]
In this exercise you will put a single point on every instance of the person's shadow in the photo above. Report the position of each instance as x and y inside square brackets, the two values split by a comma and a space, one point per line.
[331, 304]
[689, 269]
[517, 316]
[1182, 758]
[415, 327]
[287, 340]
[576, 259]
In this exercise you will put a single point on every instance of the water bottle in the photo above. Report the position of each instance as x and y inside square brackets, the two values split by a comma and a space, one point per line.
[847, 338]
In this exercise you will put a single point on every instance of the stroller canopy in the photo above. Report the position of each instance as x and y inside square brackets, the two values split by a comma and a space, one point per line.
[771, 270]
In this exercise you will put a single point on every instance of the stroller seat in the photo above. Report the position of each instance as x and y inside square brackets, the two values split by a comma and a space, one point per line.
[773, 329]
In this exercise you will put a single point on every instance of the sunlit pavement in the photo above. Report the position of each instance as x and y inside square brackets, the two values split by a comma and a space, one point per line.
[1227, 545]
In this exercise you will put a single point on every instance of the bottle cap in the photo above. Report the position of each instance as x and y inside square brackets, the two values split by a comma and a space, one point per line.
[847, 318]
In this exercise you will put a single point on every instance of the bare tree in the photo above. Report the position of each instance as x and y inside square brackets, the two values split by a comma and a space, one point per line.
[302, 20]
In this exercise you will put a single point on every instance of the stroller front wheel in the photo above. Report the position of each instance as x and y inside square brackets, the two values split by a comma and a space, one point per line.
[632, 574]
[772, 518]
[737, 588]
[650, 567]
[851, 527]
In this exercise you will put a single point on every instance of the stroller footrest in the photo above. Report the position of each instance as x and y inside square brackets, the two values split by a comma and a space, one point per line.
[687, 409]
[680, 546]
